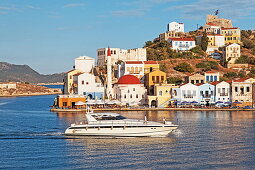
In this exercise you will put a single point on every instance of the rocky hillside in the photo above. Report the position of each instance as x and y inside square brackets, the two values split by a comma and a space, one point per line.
[24, 73]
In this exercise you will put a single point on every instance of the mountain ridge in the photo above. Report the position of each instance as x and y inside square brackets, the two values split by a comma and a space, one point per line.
[24, 73]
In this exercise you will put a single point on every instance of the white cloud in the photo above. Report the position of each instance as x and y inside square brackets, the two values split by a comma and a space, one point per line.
[32, 7]
[134, 12]
[73, 5]
[231, 9]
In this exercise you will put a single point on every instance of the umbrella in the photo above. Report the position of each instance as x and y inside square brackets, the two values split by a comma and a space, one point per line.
[184, 102]
[211, 102]
[116, 102]
[110, 102]
[194, 102]
[79, 103]
[219, 102]
[227, 102]
[175, 102]
[99, 102]
[237, 103]
[90, 102]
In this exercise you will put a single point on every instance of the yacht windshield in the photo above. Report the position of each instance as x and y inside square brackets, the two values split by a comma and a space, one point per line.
[109, 117]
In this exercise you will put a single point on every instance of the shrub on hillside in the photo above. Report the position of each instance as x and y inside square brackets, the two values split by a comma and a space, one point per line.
[208, 65]
[245, 60]
[174, 80]
[184, 67]
[197, 50]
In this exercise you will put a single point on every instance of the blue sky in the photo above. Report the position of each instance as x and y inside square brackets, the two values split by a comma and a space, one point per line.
[48, 34]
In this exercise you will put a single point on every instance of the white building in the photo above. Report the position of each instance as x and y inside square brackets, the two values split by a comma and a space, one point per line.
[182, 44]
[211, 28]
[128, 90]
[117, 54]
[186, 92]
[231, 53]
[135, 68]
[85, 84]
[84, 64]
[222, 91]
[174, 26]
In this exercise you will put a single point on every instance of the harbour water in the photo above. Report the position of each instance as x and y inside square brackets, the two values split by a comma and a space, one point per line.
[31, 137]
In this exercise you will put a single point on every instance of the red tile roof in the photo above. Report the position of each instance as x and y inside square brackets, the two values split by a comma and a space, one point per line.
[209, 72]
[229, 28]
[133, 62]
[240, 80]
[128, 79]
[215, 82]
[199, 84]
[214, 34]
[77, 74]
[182, 39]
[150, 62]
[212, 24]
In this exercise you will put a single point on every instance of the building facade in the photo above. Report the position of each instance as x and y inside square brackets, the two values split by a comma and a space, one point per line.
[211, 28]
[232, 35]
[117, 54]
[206, 93]
[195, 78]
[174, 26]
[222, 91]
[182, 44]
[211, 76]
[231, 53]
[129, 91]
[186, 93]
[153, 78]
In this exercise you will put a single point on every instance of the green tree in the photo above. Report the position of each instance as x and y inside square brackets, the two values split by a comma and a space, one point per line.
[204, 42]
[184, 67]
[231, 75]
[174, 80]
[148, 43]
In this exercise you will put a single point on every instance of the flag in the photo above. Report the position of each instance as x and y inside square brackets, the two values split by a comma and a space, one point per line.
[217, 12]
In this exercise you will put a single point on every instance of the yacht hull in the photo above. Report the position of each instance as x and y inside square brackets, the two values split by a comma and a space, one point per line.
[121, 131]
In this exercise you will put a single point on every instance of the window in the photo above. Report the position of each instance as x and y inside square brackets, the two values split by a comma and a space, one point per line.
[64, 103]
[82, 82]
[87, 83]
[215, 78]
[137, 96]
[207, 78]
[153, 78]
[247, 89]
[157, 77]
[70, 77]
[236, 89]
[211, 78]
[125, 96]
[218, 90]
[133, 89]
[160, 93]
[192, 81]
[130, 96]
[162, 78]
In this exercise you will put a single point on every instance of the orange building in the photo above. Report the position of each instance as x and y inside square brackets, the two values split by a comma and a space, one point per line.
[68, 101]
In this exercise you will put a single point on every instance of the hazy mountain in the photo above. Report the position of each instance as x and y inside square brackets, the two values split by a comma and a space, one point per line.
[24, 73]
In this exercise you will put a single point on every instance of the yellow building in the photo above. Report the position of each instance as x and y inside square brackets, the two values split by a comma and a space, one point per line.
[232, 35]
[152, 78]
[68, 101]
[68, 81]
[150, 66]
[162, 95]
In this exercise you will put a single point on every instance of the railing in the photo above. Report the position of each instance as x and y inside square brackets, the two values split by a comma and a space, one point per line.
[223, 94]
[229, 34]
[134, 72]
[207, 96]
[188, 96]
[185, 46]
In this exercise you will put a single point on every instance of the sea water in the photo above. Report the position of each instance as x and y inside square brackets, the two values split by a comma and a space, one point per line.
[31, 137]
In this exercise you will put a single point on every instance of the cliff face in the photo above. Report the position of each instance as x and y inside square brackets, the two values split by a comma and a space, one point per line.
[24, 73]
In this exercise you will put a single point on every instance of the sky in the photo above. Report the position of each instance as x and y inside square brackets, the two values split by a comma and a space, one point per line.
[48, 35]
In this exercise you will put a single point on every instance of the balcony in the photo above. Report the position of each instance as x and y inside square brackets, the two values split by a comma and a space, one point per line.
[229, 34]
[223, 94]
[134, 72]
[183, 46]
[206, 95]
[188, 96]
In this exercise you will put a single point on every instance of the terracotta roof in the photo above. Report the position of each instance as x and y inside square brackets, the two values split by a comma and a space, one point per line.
[215, 82]
[214, 34]
[128, 79]
[229, 28]
[183, 84]
[180, 23]
[199, 84]
[240, 80]
[77, 74]
[208, 72]
[212, 24]
[182, 39]
[133, 62]
[150, 62]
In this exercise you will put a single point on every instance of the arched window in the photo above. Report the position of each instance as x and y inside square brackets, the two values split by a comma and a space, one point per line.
[137, 96]
[125, 96]
[130, 96]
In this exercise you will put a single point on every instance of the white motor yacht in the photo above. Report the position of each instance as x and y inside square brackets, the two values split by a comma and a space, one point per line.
[115, 125]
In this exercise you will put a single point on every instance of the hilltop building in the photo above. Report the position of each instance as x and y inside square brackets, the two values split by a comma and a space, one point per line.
[232, 35]
[231, 53]
[221, 22]
[214, 42]
[211, 28]
[174, 26]
[182, 44]
[117, 54]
